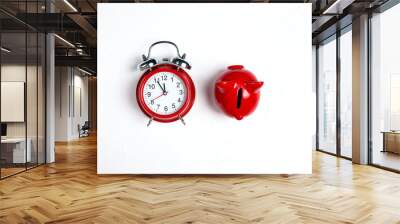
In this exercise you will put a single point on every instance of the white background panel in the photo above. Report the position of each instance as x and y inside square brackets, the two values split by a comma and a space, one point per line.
[271, 40]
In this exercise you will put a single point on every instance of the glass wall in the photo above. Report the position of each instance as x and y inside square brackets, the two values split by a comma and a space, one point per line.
[385, 89]
[327, 96]
[13, 89]
[22, 78]
[346, 92]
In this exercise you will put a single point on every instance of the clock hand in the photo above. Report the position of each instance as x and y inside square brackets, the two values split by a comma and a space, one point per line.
[158, 82]
[165, 89]
[158, 97]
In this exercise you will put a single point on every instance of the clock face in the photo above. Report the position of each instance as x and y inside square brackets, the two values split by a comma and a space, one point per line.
[164, 93]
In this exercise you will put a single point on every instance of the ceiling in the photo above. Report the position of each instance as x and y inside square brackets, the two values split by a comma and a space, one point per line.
[75, 21]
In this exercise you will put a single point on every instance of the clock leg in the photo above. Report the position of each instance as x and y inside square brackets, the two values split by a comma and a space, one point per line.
[151, 119]
[183, 121]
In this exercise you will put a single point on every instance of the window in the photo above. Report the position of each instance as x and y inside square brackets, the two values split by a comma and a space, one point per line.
[327, 96]
[346, 93]
[385, 89]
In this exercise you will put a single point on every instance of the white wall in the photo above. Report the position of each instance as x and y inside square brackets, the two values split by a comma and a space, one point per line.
[62, 81]
[271, 40]
[69, 82]
[80, 112]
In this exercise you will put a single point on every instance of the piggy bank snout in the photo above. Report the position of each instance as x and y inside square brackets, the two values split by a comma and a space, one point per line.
[253, 85]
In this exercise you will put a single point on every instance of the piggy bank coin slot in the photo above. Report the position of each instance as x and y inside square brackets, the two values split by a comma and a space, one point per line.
[239, 98]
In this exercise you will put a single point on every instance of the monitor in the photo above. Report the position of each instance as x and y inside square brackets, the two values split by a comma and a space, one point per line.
[3, 129]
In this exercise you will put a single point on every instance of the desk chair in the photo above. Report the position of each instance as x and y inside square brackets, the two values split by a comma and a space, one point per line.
[84, 130]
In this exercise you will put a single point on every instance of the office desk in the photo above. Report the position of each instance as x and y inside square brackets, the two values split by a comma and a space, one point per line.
[13, 150]
[391, 141]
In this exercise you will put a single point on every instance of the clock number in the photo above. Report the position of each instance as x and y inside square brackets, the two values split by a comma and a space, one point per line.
[164, 93]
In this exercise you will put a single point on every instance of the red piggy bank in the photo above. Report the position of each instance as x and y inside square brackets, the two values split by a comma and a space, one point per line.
[237, 91]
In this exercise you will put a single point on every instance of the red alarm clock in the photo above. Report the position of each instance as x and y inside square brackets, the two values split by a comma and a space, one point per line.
[165, 92]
